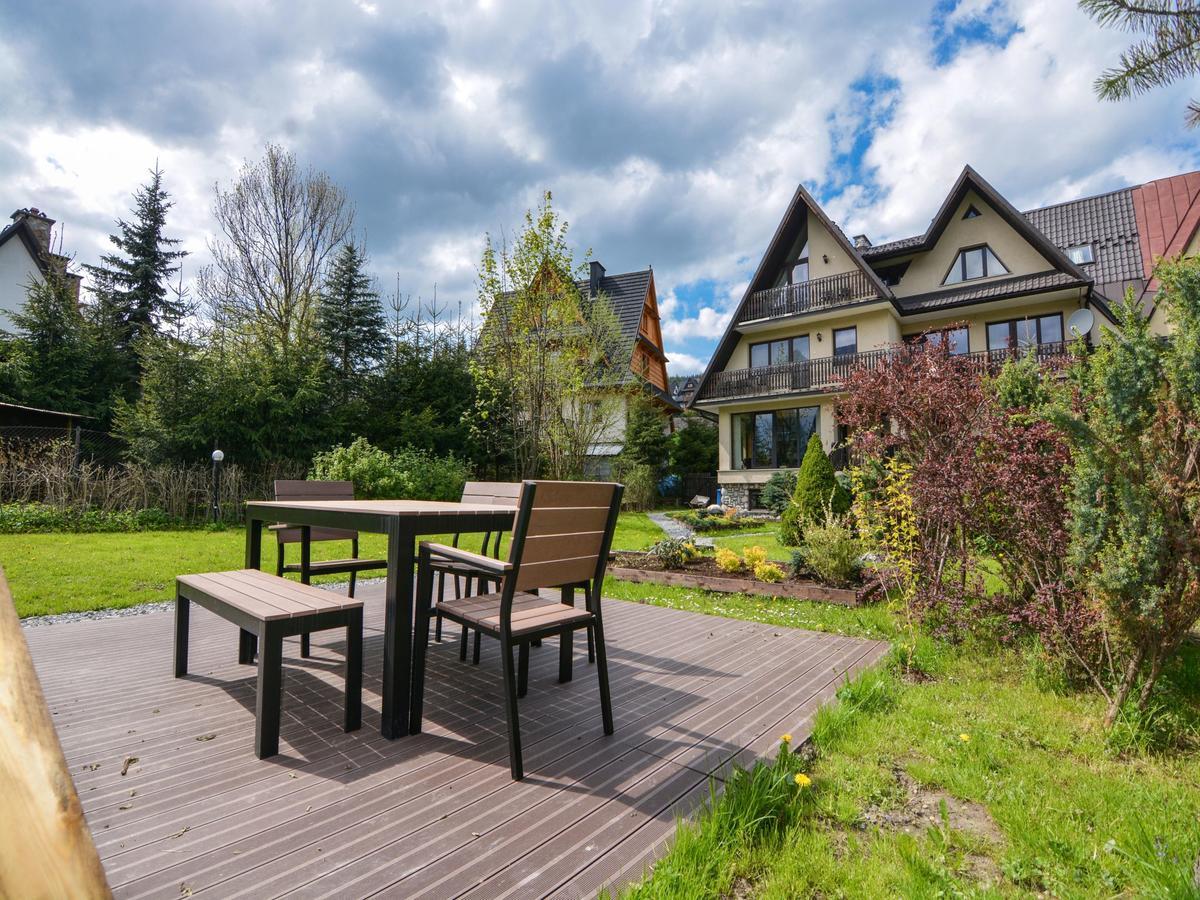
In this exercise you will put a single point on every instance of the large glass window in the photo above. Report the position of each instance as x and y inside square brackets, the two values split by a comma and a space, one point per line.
[1024, 333]
[957, 339]
[798, 268]
[774, 353]
[774, 439]
[845, 341]
[974, 262]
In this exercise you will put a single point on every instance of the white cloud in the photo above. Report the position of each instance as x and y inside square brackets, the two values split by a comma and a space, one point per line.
[679, 363]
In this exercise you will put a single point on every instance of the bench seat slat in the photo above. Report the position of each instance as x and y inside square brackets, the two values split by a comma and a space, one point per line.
[265, 596]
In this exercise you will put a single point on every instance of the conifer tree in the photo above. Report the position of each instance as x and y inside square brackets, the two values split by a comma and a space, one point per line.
[53, 348]
[350, 319]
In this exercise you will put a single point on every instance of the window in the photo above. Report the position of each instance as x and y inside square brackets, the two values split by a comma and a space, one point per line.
[958, 339]
[845, 341]
[774, 439]
[774, 353]
[1024, 333]
[972, 212]
[798, 268]
[974, 262]
[1080, 254]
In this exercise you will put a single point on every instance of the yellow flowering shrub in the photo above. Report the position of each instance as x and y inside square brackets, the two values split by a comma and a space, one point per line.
[753, 556]
[727, 560]
[769, 572]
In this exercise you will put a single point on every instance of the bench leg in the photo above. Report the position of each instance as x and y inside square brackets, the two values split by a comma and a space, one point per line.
[270, 694]
[304, 647]
[183, 608]
[462, 645]
[247, 646]
[354, 667]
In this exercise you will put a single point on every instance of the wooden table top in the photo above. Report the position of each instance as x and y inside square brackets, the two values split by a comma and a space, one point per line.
[386, 507]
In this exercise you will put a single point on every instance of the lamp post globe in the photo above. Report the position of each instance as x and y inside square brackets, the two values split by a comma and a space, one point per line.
[218, 456]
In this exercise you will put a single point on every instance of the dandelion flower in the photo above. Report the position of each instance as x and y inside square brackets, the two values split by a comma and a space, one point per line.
[965, 738]
[802, 780]
[786, 738]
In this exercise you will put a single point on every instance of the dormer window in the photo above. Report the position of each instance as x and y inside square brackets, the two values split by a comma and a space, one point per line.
[974, 262]
[1080, 254]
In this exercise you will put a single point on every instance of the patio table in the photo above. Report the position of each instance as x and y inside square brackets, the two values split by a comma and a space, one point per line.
[402, 521]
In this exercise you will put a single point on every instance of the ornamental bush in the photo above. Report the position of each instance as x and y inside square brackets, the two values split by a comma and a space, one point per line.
[408, 474]
[832, 551]
[777, 492]
[817, 489]
[727, 560]
[769, 572]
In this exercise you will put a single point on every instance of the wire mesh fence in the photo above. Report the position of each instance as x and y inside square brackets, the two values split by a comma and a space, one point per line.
[87, 470]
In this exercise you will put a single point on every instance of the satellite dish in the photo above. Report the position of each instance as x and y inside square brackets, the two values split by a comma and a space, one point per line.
[1081, 322]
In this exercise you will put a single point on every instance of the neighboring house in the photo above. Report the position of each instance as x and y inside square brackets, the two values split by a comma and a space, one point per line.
[25, 258]
[819, 304]
[635, 305]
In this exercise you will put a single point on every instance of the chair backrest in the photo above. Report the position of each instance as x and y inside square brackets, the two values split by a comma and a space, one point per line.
[562, 533]
[490, 493]
[297, 489]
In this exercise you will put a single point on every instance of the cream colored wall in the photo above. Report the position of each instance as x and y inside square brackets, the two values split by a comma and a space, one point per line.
[928, 269]
[876, 328]
[822, 244]
[977, 321]
[826, 425]
[17, 272]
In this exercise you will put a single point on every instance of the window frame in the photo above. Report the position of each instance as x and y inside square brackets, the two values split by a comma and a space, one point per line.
[803, 257]
[922, 337]
[791, 341]
[833, 339]
[1012, 331]
[1091, 252]
[960, 261]
[801, 445]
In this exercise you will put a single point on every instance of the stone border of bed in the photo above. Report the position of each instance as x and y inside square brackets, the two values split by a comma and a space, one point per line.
[798, 590]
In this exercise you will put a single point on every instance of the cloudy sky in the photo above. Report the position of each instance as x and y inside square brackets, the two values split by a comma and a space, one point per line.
[672, 134]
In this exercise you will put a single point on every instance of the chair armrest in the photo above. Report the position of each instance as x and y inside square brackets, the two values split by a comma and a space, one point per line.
[435, 553]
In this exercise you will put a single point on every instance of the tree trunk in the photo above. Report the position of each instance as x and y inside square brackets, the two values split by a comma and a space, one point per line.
[1127, 680]
[1148, 685]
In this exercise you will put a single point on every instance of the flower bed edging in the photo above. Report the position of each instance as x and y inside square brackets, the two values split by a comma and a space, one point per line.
[795, 591]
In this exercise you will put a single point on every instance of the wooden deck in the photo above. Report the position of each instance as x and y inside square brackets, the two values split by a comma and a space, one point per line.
[354, 815]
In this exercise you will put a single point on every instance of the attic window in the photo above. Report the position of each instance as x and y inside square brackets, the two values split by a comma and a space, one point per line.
[972, 263]
[972, 212]
[1080, 254]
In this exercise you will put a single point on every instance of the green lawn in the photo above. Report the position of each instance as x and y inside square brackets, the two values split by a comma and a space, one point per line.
[1036, 801]
[53, 573]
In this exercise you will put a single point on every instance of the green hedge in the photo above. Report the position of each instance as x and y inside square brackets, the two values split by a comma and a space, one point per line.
[40, 518]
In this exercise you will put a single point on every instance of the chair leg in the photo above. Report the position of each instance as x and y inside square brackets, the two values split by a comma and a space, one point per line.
[270, 694]
[510, 708]
[523, 668]
[441, 589]
[304, 646]
[566, 642]
[305, 577]
[183, 609]
[475, 654]
[462, 645]
[602, 674]
[354, 669]
[591, 645]
[420, 647]
[279, 559]
[353, 581]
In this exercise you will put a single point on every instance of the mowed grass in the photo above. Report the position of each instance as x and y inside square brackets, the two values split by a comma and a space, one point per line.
[972, 781]
[56, 573]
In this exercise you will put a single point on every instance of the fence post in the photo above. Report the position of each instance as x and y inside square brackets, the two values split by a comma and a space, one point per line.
[217, 456]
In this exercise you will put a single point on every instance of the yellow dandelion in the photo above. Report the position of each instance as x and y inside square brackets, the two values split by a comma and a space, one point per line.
[802, 780]
[965, 738]
[786, 738]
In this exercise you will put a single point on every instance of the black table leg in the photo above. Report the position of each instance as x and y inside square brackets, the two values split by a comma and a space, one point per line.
[398, 631]
[566, 647]
[254, 529]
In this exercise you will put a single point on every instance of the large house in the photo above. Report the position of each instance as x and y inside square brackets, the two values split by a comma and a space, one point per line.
[26, 257]
[984, 277]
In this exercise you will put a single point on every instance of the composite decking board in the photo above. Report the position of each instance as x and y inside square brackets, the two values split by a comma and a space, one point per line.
[248, 819]
[491, 816]
[497, 776]
[382, 743]
[499, 756]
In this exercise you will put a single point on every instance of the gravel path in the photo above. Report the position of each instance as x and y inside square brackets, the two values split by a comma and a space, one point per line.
[676, 530]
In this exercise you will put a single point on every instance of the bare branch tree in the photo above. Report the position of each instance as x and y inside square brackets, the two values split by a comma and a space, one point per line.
[279, 225]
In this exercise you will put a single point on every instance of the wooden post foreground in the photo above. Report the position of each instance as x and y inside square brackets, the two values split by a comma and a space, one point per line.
[46, 849]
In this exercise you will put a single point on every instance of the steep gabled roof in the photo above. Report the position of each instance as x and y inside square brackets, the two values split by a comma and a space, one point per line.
[802, 201]
[970, 180]
[21, 230]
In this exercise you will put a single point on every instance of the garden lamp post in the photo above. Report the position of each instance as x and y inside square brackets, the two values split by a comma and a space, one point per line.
[217, 457]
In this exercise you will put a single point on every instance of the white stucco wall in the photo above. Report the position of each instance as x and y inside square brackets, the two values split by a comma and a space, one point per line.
[17, 272]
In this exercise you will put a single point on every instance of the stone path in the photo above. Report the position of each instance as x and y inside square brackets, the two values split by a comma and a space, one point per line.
[676, 530]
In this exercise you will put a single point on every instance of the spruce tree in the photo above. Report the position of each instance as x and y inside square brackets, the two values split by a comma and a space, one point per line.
[817, 490]
[53, 350]
[350, 319]
[646, 443]
[135, 279]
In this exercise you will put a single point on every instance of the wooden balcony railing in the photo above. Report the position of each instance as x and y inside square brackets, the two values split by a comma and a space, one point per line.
[809, 296]
[828, 373]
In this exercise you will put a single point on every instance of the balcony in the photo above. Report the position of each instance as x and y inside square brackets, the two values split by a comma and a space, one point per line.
[827, 374]
[829, 292]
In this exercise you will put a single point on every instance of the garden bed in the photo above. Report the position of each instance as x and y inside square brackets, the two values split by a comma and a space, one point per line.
[705, 575]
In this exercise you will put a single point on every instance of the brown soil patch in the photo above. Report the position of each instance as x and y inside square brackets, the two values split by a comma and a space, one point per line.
[922, 810]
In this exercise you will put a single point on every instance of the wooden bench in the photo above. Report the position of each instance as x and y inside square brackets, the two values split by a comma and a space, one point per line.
[268, 609]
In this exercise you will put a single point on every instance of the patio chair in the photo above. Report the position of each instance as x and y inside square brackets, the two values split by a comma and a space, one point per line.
[292, 489]
[561, 538]
[502, 493]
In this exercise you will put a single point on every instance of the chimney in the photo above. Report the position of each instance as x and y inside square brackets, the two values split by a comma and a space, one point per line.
[39, 222]
[596, 275]
[861, 242]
